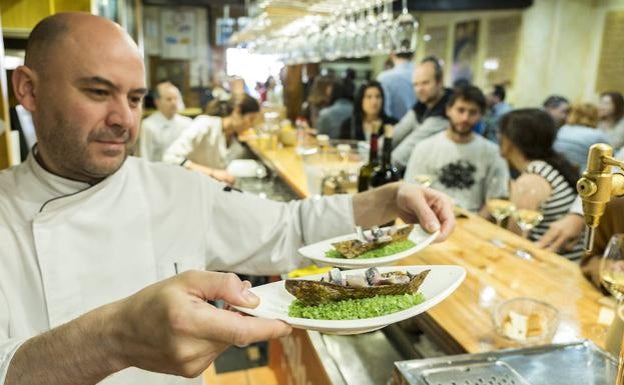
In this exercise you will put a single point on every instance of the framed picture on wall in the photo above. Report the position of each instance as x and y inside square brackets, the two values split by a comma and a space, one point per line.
[177, 29]
[465, 46]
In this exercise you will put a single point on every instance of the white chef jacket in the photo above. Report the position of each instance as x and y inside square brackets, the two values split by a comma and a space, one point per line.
[67, 247]
[158, 132]
[202, 143]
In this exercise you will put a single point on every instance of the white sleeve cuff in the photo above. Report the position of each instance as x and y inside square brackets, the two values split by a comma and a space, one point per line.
[7, 351]
[326, 217]
[577, 206]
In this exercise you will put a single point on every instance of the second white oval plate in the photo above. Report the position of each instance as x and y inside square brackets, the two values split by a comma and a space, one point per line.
[316, 251]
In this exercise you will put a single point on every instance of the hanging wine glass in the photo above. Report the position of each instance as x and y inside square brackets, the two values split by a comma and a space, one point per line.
[315, 38]
[405, 27]
[330, 38]
[372, 21]
[384, 35]
[341, 32]
[359, 47]
[350, 35]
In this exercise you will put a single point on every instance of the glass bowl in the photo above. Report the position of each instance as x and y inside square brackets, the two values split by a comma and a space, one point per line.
[525, 322]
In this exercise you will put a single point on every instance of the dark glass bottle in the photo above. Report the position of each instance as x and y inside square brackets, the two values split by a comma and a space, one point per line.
[386, 172]
[373, 162]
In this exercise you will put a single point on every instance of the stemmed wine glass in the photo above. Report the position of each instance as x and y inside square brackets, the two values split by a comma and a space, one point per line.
[424, 180]
[343, 151]
[358, 42]
[384, 38]
[612, 278]
[498, 203]
[404, 29]
[526, 218]
[271, 127]
[612, 267]
[500, 209]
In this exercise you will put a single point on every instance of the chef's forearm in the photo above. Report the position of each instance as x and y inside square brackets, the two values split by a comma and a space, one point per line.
[83, 351]
[376, 206]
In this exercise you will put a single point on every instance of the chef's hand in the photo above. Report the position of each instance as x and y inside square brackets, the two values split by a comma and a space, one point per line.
[563, 235]
[432, 209]
[168, 327]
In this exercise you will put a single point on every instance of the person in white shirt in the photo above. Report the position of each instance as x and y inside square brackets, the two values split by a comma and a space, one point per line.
[211, 141]
[465, 165]
[164, 126]
[92, 238]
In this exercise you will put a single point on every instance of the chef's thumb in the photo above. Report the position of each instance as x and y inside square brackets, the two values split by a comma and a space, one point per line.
[225, 286]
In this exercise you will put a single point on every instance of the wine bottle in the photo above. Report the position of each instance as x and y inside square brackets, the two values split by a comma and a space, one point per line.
[386, 172]
[373, 162]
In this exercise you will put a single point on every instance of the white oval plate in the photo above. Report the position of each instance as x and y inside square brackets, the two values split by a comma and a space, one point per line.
[316, 251]
[441, 281]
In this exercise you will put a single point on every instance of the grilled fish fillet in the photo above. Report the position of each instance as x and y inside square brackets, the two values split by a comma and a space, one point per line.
[353, 248]
[313, 293]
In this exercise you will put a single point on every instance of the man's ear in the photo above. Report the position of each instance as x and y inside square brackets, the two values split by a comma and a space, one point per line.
[24, 80]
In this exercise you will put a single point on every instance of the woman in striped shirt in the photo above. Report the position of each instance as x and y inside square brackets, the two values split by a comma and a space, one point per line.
[547, 180]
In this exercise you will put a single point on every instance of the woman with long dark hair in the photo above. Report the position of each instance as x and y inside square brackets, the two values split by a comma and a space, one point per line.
[611, 115]
[368, 113]
[547, 180]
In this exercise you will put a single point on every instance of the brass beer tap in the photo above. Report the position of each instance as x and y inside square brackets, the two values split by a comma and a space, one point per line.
[597, 186]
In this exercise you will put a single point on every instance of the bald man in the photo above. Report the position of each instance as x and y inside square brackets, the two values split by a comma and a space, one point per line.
[427, 117]
[163, 127]
[101, 252]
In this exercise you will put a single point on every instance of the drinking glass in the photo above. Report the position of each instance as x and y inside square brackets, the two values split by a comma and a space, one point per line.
[527, 219]
[358, 35]
[500, 209]
[343, 151]
[525, 196]
[271, 127]
[341, 161]
[350, 36]
[384, 37]
[424, 180]
[331, 38]
[612, 278]
[404, 29]
[612, 267]
[372, 21]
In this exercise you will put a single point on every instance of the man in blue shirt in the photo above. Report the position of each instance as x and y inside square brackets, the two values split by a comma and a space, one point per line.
[497, 107]
[397, 85]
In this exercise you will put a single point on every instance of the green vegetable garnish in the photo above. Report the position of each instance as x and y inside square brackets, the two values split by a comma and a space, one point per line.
[356, 308]
[384, 251]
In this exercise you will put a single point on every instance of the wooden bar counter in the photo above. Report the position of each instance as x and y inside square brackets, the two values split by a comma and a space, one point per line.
[462, 322]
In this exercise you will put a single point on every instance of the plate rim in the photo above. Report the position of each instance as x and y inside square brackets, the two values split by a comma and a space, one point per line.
[355, 263]
[372, 323]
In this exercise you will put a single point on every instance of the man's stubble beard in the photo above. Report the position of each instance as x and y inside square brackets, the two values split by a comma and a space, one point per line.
[460, 133]
[433, 98]
[71, 156]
